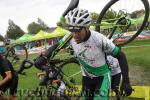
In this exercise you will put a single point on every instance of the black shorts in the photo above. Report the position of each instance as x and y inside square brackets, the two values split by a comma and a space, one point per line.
[94, 88]
[115, 82]
[11, 85]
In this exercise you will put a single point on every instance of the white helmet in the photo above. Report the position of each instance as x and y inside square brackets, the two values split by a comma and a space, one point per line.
[78, 17]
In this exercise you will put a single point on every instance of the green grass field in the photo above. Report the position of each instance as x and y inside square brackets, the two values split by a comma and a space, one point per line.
[138, 58]
[139, 62]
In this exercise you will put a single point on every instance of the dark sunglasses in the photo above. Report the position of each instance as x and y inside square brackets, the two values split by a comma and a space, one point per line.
[74, 28]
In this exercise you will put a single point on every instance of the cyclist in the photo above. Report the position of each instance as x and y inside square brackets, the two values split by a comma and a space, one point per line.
[90, 48]
[10, 79]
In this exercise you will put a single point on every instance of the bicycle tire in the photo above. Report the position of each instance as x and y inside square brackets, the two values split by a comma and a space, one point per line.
[139, 30]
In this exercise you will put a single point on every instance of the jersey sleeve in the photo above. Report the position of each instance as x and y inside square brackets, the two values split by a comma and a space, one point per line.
[108, 46]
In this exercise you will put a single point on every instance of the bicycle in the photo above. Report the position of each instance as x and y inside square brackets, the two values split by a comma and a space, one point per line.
[14, 55]
[122, 23]
[57, 74]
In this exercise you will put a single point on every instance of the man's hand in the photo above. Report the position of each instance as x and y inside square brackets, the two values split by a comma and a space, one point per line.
[40, 61]
[126, 89]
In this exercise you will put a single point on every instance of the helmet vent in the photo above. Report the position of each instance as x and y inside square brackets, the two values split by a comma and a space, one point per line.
[87, 22]
[86, 16]
[80, 21]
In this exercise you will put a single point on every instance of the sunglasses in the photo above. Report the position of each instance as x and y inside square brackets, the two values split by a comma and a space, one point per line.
[74, 28]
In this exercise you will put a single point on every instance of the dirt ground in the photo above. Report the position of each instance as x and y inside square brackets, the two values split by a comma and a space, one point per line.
[139, 76]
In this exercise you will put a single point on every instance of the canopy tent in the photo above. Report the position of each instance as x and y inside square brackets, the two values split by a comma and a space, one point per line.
[40, 35]
[58, 32]
[25, 38]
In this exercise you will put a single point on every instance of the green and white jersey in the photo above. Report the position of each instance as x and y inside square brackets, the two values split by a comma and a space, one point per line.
[91, 54]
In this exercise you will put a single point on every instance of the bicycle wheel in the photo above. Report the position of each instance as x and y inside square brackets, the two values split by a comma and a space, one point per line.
[125, 20]
[71, 70]
[16, 54]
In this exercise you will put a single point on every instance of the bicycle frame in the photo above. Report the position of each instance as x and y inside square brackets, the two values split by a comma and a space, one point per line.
[56, 76]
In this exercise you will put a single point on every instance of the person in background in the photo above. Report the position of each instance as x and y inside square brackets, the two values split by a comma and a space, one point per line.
[9, 81]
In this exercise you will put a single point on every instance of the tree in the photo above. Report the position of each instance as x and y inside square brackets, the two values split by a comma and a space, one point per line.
[110, 14]
[137, 13]
[1, 38]
[41, 23]
[94, 16]
[13, 31]
[34, 28]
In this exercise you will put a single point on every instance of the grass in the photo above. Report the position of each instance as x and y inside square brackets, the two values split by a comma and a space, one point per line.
[138, 58]
[139, 55]
[139, 61]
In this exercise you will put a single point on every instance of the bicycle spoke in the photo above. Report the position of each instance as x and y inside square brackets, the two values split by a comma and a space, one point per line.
[130, 17]
[74, 73]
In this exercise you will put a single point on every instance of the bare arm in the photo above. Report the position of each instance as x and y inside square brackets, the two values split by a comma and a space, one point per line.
[7, 78]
